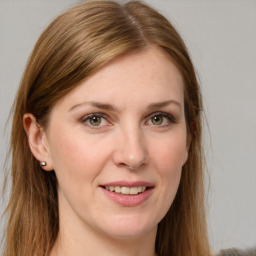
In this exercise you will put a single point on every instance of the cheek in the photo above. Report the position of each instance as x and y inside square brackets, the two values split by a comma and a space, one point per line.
[76, 156]
[169, 157]
[77, 163]
[169, 154]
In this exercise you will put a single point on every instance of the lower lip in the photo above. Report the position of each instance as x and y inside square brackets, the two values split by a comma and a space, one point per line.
[128, 200]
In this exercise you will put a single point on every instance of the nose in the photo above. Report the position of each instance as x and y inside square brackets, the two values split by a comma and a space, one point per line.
[130, 149]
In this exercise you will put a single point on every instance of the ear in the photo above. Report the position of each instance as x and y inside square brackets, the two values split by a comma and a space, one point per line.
[188, 142]
[37, 141]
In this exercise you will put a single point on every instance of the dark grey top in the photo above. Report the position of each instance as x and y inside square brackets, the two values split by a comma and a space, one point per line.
[237, 252]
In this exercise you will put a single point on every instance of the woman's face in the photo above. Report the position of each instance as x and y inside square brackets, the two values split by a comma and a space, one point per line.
[117, 143]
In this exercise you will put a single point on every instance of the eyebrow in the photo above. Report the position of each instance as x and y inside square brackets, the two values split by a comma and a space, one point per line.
[164, 104]
[96, 105]
[110, 107]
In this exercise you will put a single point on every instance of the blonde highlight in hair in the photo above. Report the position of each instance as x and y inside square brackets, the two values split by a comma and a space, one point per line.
[73, 47]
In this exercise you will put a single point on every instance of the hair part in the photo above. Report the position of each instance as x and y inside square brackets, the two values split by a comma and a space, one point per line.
[72, 48]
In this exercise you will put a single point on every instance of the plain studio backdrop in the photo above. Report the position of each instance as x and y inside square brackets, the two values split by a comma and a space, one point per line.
[221, 38]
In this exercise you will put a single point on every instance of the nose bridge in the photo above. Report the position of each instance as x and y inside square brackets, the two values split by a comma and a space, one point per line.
[131, 148]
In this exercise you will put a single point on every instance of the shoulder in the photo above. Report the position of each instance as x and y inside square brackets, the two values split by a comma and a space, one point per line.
[237, 252]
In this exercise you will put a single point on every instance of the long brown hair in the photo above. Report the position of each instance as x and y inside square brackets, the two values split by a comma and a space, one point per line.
[73, 47]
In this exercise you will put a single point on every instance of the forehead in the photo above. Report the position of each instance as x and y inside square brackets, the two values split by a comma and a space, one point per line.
[136, 78]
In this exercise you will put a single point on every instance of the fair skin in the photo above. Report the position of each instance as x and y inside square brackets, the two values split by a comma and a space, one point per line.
[122, 129]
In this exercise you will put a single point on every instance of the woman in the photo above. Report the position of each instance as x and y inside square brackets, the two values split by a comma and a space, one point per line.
[106, 139]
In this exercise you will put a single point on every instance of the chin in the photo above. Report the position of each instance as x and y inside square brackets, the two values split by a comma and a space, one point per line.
[124, 227]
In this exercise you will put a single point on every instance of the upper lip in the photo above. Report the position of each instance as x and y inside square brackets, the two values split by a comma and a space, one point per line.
[123, 183]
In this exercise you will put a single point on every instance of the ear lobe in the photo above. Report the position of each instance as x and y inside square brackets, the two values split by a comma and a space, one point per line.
[187, 148]
[37, 140]
[185, 157]
[189, 139]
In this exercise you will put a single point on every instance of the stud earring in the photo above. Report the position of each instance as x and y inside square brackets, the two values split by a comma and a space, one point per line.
[43, 163]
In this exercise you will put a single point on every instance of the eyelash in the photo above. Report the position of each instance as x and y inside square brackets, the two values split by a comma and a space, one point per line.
[86, 119]
[170, 119]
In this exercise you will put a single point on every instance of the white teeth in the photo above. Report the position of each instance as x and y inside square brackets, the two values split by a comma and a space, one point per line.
[133, 190]
[126, 190]
[117, 189]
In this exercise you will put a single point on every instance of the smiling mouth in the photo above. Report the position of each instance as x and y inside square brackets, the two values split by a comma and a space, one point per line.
[126, 190]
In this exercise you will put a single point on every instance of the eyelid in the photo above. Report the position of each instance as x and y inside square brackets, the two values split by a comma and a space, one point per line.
[163, 114]
[170, 119]
[85, 118]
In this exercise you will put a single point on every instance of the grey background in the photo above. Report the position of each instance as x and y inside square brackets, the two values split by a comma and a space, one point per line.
[221, 37]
